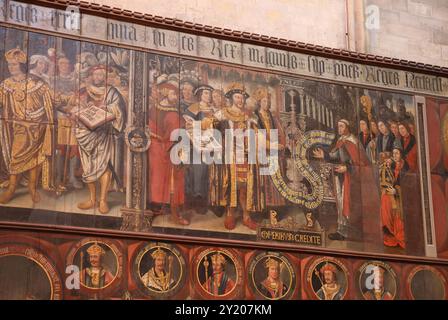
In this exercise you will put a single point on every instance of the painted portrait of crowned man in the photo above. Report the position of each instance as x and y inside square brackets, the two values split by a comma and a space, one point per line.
[219, 283]
[98, 147]
[97, 275]
[26, 128]
[330, 289]
[272, 286]
[160, 276]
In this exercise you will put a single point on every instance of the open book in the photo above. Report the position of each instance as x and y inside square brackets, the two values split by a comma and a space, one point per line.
[93, 117]
[207, 141]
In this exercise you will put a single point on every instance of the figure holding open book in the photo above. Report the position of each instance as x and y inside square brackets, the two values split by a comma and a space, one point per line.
[197, 173]
[101, 116]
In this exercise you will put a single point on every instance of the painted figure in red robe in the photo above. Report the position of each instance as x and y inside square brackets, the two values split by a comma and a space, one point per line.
[166, 181]
[391, 172]
[350, 159]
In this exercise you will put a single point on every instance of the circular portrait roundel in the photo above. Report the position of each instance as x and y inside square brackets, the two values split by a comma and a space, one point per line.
[271, 276]
[218, 273]
[377, 281]
[99, 263]
[27, 274]
[159, 269]
[327, 278]
[138, 139]
[426, 283]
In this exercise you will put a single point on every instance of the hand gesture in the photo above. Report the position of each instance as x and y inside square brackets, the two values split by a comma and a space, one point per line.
[204, 143]
[74, 101]
[391, 190]
[297, 135]
[341, 169]
[189, 125]
[318, 153]
[388, 162]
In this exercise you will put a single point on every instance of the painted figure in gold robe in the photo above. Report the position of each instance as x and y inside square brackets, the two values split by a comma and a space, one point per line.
[160, 276]
[67, 160]
[268, 122]
[241, 179]
[26, 128]
[216, 171]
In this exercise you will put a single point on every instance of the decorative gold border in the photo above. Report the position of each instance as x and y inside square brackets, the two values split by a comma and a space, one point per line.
[416, 269]
[17, 251]
[81, 244]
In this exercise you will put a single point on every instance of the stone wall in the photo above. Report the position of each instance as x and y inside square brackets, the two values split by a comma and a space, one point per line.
[411, 29]
[312, 21]
[406, 29]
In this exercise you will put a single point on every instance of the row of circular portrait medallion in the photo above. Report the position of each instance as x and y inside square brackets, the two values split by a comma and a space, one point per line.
[103, 268]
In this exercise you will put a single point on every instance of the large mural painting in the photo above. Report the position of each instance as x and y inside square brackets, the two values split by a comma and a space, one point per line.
[105, 137]
[64, 107]
[347, 160]
[138, 162]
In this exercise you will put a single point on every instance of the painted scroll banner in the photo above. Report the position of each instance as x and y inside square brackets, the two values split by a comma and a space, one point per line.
[314, 199]
[72, 22]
